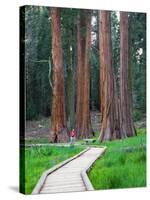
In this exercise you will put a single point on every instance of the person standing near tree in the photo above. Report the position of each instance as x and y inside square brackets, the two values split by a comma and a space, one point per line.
[72, 136]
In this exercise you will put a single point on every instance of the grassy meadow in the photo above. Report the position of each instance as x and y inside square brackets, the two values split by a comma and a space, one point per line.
[123, 165]
[39, 159]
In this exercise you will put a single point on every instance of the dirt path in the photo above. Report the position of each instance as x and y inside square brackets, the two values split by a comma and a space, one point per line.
[68, 177]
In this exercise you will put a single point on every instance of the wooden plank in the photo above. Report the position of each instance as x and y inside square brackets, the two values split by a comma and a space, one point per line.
[71, 176]
[85, 178]
[63, 183]
[58, 189]
[42, 179]
[63, 191]
[62, 177]
[63, 186]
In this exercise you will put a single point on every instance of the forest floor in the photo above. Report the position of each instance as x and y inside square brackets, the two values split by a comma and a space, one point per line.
[37, 131]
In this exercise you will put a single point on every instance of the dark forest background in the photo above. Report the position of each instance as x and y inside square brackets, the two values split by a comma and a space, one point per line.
[39, 66]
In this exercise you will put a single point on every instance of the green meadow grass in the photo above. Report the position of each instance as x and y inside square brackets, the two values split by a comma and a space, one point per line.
[37, 141]
[123, 165]
[39, 159]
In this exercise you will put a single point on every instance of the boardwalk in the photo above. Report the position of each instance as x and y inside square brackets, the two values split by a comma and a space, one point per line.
[68, 177]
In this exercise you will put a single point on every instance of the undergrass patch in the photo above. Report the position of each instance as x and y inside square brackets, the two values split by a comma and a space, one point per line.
[39, 159]
[123, 165]
[37, 141]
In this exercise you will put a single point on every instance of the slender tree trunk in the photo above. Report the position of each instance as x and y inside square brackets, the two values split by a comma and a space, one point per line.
[72, 101]
[126, 121]
[71, 97]
[83, 121]
[102, 63]
[71, 79]
[130, 64]
[58, 131]
[109, 101]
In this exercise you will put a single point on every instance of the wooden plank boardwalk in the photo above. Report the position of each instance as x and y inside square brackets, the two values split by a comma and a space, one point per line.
[68, 177]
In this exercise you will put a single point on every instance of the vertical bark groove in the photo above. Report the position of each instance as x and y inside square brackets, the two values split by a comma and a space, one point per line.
[58, 131]
[126, 121]
[83, 121]
[109, 101]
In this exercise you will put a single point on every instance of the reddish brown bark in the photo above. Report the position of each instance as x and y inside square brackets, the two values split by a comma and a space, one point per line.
[109, 101]
[126, 121]
[83, 121]
[102, 63]
[58, 131]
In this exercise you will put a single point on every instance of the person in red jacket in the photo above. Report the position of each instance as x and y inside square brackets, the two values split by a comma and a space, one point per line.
[72, 136]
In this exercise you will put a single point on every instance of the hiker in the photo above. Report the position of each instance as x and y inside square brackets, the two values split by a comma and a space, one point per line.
[72, 136]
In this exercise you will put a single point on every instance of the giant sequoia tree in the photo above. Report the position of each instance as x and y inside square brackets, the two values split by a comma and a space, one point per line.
[69, 37]
[58, 131]
[126, 121]
[109, 103]
[83, 122]
[72, 45]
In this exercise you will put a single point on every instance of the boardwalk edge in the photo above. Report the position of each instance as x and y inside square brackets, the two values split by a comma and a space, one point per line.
[42, 179]
[84, 172]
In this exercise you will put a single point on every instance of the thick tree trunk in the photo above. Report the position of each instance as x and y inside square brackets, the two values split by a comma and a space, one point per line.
[110, 128]
[58, 131]
[126, 121]
[83, 121]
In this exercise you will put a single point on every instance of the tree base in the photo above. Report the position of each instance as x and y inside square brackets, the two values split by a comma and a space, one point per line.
[60, 137]
[85, 134]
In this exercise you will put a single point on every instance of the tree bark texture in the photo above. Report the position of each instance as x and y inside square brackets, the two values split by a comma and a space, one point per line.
[70, 82]
[58, 131]
[83, 121]
[110, 128]
[126, 121]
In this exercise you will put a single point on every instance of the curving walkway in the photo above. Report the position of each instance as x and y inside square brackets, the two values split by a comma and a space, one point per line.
[68, 177]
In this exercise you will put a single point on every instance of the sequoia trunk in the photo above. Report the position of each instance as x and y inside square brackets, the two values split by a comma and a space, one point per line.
[110, 128]
[83, 121]
[126, 121]
[58, 131]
